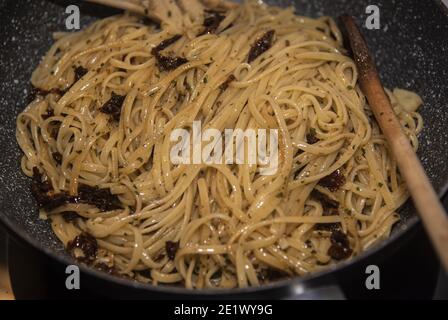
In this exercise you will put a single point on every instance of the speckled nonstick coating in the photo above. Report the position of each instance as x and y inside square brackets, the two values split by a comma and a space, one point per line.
[411, 51]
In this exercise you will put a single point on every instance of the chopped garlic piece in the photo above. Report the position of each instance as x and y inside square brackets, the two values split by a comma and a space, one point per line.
[43, 215]
[283, 243]
[409, 100]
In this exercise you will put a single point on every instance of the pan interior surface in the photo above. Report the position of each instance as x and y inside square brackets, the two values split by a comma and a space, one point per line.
[410, 50]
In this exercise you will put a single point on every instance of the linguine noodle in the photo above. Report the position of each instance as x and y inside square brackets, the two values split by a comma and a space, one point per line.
[334, 195]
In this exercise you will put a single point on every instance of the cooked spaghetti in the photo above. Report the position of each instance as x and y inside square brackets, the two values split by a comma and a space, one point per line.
[96, 140]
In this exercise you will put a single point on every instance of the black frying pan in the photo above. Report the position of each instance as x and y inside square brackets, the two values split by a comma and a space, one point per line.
[411, 51]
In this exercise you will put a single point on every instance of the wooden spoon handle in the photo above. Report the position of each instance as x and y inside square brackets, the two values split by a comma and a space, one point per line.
[141, 10]
[426, 201]
[120, 4]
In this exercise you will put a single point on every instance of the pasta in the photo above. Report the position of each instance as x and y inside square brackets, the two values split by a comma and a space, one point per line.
[96, 139]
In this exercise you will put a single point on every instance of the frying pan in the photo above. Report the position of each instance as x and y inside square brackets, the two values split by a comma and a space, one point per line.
[411, 50]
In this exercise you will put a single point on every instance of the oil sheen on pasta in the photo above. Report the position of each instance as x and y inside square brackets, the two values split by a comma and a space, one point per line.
[103, 116]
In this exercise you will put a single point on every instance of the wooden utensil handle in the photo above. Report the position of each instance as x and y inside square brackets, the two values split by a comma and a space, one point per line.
[120, 4]
[426, 201]
[140, 9]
